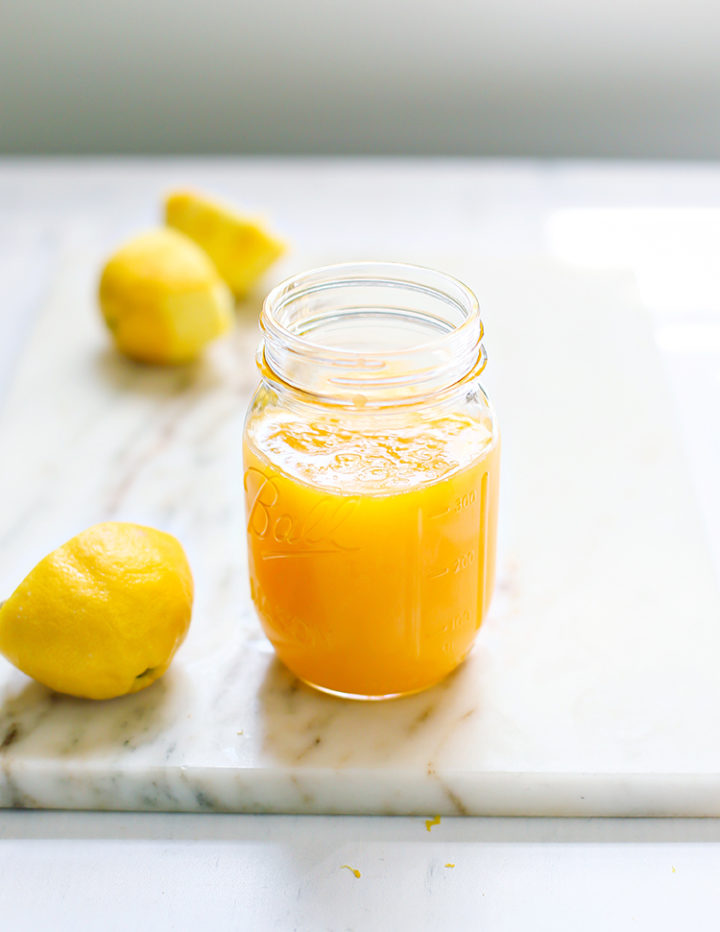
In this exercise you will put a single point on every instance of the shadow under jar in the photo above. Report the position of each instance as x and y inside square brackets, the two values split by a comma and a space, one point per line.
[371, 462]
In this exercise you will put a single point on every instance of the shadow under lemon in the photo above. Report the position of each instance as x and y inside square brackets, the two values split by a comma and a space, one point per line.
[50, 725]
[160, 382]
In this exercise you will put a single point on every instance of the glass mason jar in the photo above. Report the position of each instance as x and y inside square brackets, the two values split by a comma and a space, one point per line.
[371, 461]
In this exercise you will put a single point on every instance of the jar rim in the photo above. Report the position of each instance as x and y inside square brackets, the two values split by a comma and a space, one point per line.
[352, 272]
[442, 302]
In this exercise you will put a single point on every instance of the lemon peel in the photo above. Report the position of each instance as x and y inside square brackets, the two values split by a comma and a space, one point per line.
[163, 299]
[102, 615]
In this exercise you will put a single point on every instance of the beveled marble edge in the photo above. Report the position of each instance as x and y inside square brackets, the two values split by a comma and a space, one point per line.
[41, 785]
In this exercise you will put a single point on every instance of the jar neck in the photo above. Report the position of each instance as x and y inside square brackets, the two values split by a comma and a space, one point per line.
[371, 334]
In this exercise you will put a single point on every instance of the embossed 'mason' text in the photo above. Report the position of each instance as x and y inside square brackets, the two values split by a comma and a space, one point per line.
[315, 531]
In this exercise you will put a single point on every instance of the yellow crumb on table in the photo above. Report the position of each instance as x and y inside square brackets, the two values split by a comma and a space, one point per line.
[352, 870]
[449, 865]
[430, 822]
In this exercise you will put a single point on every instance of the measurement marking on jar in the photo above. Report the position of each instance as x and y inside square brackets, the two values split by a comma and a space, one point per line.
[459, 505]
[438, 575]
[460, 620]
[464, 562]
[302, 553]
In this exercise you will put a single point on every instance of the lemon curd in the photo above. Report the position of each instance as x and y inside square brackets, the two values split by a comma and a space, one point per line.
[371, 481]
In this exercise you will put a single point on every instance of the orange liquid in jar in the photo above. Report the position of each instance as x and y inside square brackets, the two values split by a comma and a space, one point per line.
[371, 549]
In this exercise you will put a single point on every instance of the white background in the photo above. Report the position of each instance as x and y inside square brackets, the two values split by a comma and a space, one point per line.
[518, 77]
[113, 872]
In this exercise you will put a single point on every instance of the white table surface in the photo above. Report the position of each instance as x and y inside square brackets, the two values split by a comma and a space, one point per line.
[89, 870]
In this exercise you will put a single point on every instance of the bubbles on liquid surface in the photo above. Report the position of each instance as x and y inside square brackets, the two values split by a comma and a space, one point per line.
[361, 457]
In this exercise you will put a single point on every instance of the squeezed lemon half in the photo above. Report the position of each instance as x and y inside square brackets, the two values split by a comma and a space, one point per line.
[240, 247]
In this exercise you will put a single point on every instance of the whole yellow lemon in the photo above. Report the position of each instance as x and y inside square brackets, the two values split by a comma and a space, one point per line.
[163, 299]
[102, 615]
[241, 248]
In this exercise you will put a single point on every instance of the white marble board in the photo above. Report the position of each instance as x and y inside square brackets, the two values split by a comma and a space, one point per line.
[593, 688]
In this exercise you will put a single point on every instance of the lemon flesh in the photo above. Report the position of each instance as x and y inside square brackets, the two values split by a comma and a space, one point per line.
[240, 247]
[163, 299]
[103, 615]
